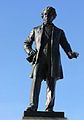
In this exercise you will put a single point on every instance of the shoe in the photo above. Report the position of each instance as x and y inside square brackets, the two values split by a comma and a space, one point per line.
[49, 110]
[31, 109]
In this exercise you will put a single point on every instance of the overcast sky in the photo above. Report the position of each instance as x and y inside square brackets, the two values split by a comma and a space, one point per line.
[17, 18]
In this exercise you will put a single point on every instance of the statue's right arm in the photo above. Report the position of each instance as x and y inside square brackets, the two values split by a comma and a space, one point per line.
[29, 41]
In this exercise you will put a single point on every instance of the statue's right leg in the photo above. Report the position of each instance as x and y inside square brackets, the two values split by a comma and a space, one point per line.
[35, 90]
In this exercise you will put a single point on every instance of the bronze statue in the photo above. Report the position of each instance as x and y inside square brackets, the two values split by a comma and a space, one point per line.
[45, 58]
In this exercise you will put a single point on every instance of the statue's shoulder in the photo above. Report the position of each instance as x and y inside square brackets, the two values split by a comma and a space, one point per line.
[38, 27]
[57, 28]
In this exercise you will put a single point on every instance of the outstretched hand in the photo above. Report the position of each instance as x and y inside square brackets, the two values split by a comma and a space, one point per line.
[73, 55]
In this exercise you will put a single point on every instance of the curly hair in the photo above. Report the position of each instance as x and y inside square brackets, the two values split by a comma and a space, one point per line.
[51, 10]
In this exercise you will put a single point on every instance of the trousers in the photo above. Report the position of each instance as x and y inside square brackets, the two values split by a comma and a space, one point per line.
[39, 70]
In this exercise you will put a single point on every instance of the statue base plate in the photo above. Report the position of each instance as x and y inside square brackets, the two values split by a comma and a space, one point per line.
[40, 115]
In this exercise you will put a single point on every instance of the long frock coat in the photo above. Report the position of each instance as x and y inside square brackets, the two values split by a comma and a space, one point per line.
[58, 39]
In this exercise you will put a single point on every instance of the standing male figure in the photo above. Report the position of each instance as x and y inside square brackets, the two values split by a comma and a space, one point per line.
[45, 57]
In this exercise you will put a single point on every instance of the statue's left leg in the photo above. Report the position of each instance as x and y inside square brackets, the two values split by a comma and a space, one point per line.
[50, 97]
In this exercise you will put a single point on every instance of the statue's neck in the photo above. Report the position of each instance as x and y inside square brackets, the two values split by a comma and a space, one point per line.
[47, 24]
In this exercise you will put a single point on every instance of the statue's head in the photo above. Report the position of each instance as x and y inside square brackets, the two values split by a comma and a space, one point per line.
[48, 14]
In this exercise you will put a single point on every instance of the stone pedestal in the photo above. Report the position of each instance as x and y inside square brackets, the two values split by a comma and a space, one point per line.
[44, 116]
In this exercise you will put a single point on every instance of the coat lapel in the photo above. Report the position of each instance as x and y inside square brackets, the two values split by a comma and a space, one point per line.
[41, 32]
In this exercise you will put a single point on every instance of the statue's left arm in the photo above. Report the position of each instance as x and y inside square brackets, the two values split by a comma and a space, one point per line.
[66, 46]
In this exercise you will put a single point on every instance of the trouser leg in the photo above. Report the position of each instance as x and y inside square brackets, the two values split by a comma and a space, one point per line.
[35, 90]
[50, 97]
